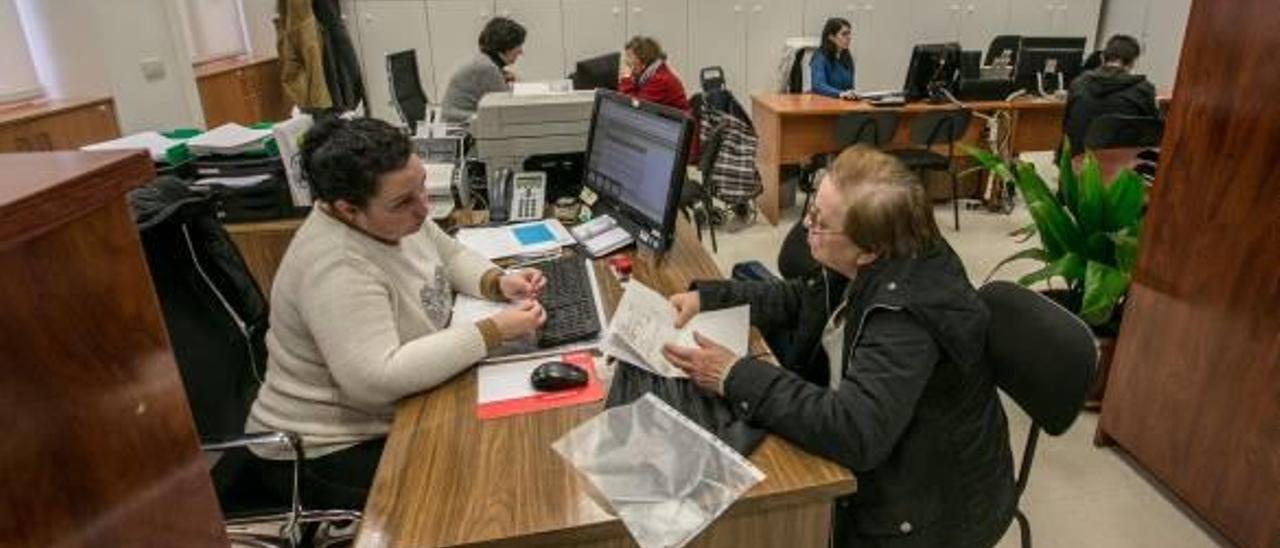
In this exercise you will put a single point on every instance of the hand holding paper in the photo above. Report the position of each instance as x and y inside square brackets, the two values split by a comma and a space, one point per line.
[644, 322]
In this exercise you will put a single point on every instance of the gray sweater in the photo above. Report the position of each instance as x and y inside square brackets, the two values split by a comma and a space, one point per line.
[471, 82]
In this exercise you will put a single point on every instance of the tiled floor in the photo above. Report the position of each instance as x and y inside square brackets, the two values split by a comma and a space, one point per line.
[1078, 495]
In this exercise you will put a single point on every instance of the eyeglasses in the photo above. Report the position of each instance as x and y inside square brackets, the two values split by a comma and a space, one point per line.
[812, 225]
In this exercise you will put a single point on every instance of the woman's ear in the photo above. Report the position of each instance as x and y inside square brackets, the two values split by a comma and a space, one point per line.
[346, 210]
[865, 258]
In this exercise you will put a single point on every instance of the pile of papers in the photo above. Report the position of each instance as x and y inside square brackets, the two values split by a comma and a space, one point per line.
[645, 321]
[601, 236]
[517, 240]
[228, 139]
[153, 142]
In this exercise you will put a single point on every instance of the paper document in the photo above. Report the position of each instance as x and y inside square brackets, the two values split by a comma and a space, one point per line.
[288, 135]
[601, 236]
[233, 182]
[541, 88]
[499, 242]
[644, 321]
[228, 139]
[506, 381]
[155, 143]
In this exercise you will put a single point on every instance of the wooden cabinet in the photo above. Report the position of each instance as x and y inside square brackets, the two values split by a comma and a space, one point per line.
[58, 124]
[100, 448]
[243, 90]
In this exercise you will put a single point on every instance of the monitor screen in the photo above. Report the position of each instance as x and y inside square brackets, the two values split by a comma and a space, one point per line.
[597, 72]
[1052, 58]
[636, 155]
[932, 67]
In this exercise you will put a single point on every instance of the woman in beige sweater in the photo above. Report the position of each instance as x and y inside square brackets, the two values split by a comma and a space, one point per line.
[360, 310]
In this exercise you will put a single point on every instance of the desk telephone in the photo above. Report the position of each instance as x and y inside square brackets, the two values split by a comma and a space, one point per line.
[517, 197]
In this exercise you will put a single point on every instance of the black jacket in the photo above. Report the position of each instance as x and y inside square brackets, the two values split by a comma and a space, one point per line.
[1105, 90]
[916, 416]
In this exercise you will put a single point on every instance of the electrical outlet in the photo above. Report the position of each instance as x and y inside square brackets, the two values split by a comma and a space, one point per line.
[152, 69]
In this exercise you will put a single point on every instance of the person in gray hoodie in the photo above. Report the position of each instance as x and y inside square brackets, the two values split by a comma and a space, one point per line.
[1109, 89]
[501, 43]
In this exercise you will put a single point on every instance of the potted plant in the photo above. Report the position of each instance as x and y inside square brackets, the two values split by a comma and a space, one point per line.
[1088, 234]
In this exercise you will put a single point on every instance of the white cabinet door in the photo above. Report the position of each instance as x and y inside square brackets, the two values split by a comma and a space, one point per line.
[769, 24]
[543, 57]
[667, 21]
[719, 39]
[816, 13]
[591, 28]
[1080, 18]
[883, 48]
[982, 20]
[388, 26]
[455, 28]
[937, 21]
[1033, 17]
[1162, 47]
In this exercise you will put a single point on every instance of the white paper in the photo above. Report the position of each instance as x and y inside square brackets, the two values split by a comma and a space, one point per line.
[551, 87]
[601, 235]
[233, 182]
[506, 381]
[500, 242]
[228, 138]
[155, 143]
[288, 135]
[644, 321]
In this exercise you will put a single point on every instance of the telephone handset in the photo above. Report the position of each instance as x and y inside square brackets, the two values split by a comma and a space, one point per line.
[499, 194]
[528, 195]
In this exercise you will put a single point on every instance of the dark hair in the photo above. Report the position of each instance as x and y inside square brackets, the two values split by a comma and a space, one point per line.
[833, 27]
[1122, 48]
[342, 159]
[501, 35]
[646, 49]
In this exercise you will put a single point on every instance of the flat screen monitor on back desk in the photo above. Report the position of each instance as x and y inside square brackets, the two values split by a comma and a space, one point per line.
[1047, 65]
[636, 155]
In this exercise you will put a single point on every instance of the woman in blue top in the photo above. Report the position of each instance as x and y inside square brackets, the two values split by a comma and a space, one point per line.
[831, 68]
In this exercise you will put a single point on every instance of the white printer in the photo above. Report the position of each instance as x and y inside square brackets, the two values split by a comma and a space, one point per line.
[508, 128]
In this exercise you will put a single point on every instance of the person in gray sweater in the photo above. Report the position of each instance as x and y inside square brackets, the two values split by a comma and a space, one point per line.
[501, 43]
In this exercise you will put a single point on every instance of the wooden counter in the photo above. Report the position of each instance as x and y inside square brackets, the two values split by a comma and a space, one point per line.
[57, 124]
[243, 90]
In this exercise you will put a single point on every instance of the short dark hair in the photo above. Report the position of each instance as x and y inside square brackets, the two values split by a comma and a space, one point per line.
[501, 34]
[343, 159]
[646, 49]
[1122, 48]
[832, 27]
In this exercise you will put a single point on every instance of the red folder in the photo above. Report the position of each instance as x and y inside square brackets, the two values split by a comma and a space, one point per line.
[593, 391]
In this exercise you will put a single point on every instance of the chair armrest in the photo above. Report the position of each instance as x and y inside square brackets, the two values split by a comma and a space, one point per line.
[279, 439]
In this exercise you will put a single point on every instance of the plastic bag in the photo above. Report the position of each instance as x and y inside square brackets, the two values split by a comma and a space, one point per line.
[665, 477]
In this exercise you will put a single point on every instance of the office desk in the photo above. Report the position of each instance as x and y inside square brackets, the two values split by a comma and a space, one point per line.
[792, 128]
[448, 479]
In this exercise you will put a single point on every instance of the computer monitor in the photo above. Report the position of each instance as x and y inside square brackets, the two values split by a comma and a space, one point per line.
[406, 88]
[1048, 64]
[636, 155]
[933, 67]
[599, 72]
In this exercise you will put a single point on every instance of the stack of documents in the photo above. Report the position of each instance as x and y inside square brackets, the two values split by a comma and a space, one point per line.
[645, 321]
[229, 139]
[601, 236]
[522, 239]
[153, 142]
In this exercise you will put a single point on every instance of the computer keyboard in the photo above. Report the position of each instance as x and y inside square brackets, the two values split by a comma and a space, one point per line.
[569, 301]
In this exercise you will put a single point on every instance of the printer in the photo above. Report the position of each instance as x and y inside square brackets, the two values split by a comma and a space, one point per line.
[509, 128]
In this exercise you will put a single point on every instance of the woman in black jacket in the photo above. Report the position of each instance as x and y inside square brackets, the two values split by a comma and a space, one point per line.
[895, 386]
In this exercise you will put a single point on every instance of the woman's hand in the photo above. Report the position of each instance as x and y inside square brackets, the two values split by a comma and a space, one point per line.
[848, 94]
[508, 75]
[687, 306]
[519, 321]
[522, 285]
[707, 365]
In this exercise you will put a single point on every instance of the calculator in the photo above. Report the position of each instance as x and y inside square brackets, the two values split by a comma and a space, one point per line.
[528, 195]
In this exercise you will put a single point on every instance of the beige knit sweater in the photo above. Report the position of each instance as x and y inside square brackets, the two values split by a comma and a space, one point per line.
[357, 324]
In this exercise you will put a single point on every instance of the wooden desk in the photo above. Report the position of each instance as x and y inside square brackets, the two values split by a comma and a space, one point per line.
[795, 127]
[244, 90]
[448, 479]
[57, 124]
[262, 244]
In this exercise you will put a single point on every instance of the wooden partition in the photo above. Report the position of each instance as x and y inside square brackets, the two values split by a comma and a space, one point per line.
[98, 448]
[1194, 392]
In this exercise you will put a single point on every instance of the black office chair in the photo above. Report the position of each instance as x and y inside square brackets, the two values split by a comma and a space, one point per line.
[868, 128]
[1122, 131]
[407, 96]
[1045, 358]
[933, 128]
[971, 64]
[1005, 45]
[216, 318]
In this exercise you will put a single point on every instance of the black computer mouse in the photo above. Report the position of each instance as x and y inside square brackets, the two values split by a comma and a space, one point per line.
[553, 376]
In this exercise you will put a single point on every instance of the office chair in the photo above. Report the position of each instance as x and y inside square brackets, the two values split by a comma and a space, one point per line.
[1042, 356]
[970, 65]
[216, 318]
[869, 128]
[1005, 45]
[1123, 131]
[407, 96]
[928, 130]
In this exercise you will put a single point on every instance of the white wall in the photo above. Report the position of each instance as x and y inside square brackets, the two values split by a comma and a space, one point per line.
[1159, 25]
[65, 48]
[259, 28]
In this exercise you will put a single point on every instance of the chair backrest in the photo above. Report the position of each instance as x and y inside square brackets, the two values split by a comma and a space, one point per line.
[970, 64]
[1043, 356]
[406, 88]
[939, 127]
[871, 128]
[800, 76]
[1005, 44]
[1123, 131]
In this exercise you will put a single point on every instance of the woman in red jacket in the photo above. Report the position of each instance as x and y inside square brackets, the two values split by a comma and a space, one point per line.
[647, 77]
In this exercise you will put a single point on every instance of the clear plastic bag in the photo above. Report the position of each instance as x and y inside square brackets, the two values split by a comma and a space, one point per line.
[664, 476]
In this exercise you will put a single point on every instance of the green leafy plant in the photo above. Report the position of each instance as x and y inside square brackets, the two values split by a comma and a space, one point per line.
[1088, 231]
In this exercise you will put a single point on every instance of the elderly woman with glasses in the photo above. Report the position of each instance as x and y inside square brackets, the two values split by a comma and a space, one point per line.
[891, 381]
